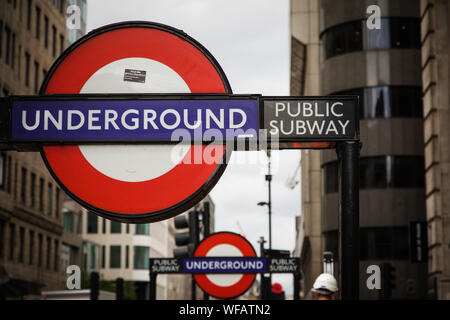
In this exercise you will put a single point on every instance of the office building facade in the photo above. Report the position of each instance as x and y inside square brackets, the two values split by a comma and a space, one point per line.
[305, 80]
[32, 35]
[383, 67]
[120, 250]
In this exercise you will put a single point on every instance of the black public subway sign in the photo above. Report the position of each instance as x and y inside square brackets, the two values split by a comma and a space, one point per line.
[289, 119]
[312, 118]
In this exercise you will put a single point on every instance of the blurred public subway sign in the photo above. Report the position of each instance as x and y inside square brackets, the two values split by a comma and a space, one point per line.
[224, 265]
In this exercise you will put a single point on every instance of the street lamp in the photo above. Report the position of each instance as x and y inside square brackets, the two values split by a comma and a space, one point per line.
[269, 203]
[263, 203]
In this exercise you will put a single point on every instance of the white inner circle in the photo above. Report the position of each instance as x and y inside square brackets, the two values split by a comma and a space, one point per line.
[224, 250]
[134, 163]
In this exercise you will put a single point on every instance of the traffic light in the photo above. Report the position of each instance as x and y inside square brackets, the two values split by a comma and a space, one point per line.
[389, 278]
[188, 240]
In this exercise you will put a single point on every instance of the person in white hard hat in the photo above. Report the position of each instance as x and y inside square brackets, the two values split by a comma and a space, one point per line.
[325, 287]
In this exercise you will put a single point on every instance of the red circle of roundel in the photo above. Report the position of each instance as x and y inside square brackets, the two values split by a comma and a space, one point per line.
[247, 251]
[154, 199]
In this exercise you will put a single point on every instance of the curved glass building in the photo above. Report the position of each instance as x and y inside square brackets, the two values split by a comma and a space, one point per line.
[383, 67]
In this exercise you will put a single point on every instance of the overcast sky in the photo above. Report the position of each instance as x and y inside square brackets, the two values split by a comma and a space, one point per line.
[251, 41]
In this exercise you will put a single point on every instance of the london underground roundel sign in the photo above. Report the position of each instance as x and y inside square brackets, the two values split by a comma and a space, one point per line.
[135, 182]
[225, 244]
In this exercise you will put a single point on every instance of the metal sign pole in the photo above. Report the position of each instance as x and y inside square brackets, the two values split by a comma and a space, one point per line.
[297, 285]
[348, 155]
[152, 293]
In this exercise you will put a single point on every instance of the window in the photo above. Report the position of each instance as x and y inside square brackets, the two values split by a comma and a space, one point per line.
[103, 257]
[27, 69]
[68, 221]
[41, 194]
[354, 36]
[9, 177]
[32, 189]
[127, 257]
[12, 240]
[28, 14]
[13, 51]
[116, 227]
[40, 244]
[61, 44]
[79, 223]
[382, 172]
[58, 4]
[23, 186]
[36, 76]
[65, 256]
[404, 33]
[392, 172]
[31, 248]
[45, 32]
[57, 190]
[141, 257]
[2, 235]
[15, 180]
[373, 173]
[2, 171]
[7, 44]
[388, 101]
[92, 223]
[103, 225]
[19, 65]
[49, 251]
[55, 252]
[94, 257]
[128, 228]
[21, 243]
[142, 228]
[53, 40]
[114, 257]
[1, 38]
[382, 243]
[38, 22]
[343, 38]
[49, 199]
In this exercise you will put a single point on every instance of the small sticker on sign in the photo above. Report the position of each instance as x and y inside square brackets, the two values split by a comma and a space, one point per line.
[134, 75]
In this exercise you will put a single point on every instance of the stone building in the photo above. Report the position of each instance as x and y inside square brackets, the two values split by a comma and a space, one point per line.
[305, 66]
[32, 35]
[435, 66]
